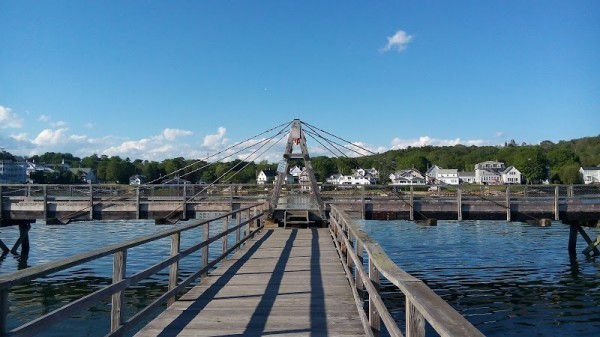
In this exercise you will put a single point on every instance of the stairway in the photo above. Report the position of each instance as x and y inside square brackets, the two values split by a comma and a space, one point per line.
[296, 218]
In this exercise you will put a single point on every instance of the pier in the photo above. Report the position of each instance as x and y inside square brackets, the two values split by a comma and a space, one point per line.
[299, 264]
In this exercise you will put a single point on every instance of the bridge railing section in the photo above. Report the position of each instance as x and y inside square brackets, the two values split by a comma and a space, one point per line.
[115, 291]
[422, 304]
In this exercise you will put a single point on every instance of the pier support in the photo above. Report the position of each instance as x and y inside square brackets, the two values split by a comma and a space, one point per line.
[23, 239]
[576, 227]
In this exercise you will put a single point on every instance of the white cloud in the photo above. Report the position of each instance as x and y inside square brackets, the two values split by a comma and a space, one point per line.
[499, 134]
[58, 124]
[8, 119]
[398, 143]
[50, 137]
[171, 134]
[213, 141]
[43, 118]
[398, 41]
[21, 137]
[89, 125]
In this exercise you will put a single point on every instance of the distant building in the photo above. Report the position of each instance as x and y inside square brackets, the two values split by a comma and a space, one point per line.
[266, 177]
[409, 177]
[86, 175]
[466, 177]
[137, 180]
[489, 172]
[511, 175]
[13, 172]
[590, 175]
[431, 175]
[447, 176]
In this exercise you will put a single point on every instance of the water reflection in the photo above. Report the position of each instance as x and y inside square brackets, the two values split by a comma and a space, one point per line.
[507, 279]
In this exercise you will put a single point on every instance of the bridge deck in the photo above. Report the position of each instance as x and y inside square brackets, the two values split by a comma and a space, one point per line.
[287, 282]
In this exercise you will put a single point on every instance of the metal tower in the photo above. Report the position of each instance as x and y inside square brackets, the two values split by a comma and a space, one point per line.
[296, 139]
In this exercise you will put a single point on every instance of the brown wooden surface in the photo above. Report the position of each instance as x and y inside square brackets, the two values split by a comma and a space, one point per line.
[287, 282]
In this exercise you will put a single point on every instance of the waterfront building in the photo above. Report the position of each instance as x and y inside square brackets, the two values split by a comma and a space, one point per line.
[511, 175]
[590, 175]
[409, 177]
[13, 172]
[266, 177]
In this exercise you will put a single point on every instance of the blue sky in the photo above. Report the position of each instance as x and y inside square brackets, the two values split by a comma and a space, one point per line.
[161, 79]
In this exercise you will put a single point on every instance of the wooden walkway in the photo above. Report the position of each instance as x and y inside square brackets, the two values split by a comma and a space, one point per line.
[286, 282]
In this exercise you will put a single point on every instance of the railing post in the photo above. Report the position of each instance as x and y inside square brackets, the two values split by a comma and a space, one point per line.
[184, 206]
[119, 270]
[238, 221]
[415, 323]
[257, 221]
[556, 209]
[374, 318]
[205, 236]
[507, 203]
[174, 268]
[224, 239]
[360, 251]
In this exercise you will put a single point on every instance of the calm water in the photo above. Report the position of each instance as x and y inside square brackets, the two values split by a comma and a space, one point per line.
[508, 279]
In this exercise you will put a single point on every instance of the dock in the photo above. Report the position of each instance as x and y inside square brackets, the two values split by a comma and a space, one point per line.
[286, 283]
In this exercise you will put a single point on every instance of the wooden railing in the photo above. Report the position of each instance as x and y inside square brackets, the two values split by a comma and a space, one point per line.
[422, 304]
[120, 281]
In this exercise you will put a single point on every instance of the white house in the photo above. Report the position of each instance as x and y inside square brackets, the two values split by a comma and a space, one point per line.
[489, 172]
[466, 177]
[136, 180]
[12, 172]
[447, 176]
[431, 174]
[265, 177]
[511, 175]
[590, 175]
[407, 177]
[334, 179]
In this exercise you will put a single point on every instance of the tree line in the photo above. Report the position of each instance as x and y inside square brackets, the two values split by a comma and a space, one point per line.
[558, 162]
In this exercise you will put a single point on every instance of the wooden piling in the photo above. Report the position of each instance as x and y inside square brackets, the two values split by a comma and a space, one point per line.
[411, 200]
[137, 203]
[459, 204]
[23, 240]
[556, 205]
[572, 239]
[45, 201]
[507, 203]
[1, 206]
[3, 311]
[415, 323]
[91, 202]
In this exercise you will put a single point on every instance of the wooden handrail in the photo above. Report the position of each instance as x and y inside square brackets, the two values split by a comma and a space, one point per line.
[119, 324]
[422, 304]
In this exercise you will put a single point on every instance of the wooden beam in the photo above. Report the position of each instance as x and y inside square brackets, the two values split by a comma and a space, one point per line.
[374, 318]
[205, 237]
[507, 203]
[556, 204]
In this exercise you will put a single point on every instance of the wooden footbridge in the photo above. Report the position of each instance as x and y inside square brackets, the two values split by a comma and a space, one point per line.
[294, 269]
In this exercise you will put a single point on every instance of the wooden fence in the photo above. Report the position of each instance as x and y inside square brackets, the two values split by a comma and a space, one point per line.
[422, 304]
[120, 282]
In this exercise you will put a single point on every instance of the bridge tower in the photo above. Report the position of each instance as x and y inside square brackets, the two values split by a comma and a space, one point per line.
[296, 139]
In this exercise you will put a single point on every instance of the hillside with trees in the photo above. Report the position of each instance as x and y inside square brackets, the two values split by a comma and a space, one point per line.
[558, 161]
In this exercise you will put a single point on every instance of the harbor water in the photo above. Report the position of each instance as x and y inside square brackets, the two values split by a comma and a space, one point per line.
[508, 279]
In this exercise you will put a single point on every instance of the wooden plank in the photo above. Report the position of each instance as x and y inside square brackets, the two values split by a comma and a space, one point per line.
[288, 282]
